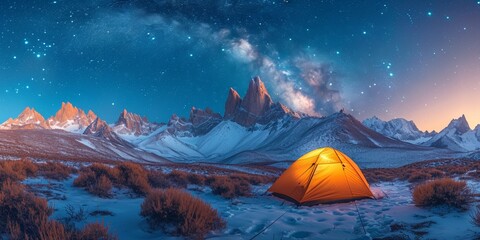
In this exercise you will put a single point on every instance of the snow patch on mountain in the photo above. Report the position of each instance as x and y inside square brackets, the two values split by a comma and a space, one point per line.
[457, 136]
[398, 128]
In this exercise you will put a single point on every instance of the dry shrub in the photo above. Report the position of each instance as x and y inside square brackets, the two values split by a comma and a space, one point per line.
[435, 173]
[444, 191]
[379, 175]
[191, 216]
[252, 179]
[54, 230]
[102, 187]
[419, 176]
[178, 178]
[99, 179]
[26, 216]
[228, 188]
[22, 214]
[133, 176]
[196, 179]
[457, 170]
[17, 170]
[103, 170]
[55, 170]
[85, 179]
[158, 179]
[95, 231]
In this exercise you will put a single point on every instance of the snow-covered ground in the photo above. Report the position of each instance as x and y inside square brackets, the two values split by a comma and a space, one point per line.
[246, 217]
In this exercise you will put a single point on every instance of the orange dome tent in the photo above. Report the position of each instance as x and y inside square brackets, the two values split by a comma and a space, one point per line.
[323, 175]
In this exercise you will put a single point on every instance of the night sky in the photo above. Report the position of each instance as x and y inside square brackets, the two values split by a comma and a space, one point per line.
[414, 59]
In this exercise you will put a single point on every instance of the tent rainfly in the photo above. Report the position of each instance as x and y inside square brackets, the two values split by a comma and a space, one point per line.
[324, 175]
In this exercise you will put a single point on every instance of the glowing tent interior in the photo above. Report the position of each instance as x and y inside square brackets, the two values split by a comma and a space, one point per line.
[323, 175]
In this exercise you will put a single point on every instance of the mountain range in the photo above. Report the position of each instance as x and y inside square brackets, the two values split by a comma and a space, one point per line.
[253, 129]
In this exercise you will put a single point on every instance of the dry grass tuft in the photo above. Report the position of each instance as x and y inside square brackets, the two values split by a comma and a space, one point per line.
[95, 231]
[229, 188]
[444, 191]
[54, 170]
[191, 216]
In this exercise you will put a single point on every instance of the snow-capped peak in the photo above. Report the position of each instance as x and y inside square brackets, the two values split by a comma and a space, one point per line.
[457, 136]
[460, 125]
[133, 124]
[28, 119]
[398, 128]
[71, 118]
[256, 107]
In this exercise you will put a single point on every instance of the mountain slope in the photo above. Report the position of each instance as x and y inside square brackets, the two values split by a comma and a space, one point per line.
[284, 139]
[61, 145]
[398, 128]
[457, 136]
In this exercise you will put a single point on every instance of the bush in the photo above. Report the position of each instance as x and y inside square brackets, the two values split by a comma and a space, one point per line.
[54, 230]
[252, 179]
[196, 179]
[158, 179]
[99, 179]
[444, 191]
[103, 170]
[55, 170]
[178, 178]
[16, 170]
[95, 231]
[133, 176]
[228, 188]
[102, 187]
[191, 216]
[22, 214]
[419, 176]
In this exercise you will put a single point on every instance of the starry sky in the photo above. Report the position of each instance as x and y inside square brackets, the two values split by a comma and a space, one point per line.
[414, 59]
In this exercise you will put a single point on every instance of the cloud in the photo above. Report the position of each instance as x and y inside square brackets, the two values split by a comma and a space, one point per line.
[318, 97]
[302, 82]
[321, 80]
[243, 50]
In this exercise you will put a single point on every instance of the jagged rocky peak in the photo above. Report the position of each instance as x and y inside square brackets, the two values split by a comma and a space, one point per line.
[27, 119]
[199, 116]
[256, 107]
[232, 104]
[99, 128]
[131, 123]
[257, 100]
[96, 126]
[203, 120]
[69, 117]
[460, 125]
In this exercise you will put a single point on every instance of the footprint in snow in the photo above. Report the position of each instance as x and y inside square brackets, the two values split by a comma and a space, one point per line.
[337, 213]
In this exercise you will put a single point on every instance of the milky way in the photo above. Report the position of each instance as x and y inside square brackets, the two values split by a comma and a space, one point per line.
[412, 59]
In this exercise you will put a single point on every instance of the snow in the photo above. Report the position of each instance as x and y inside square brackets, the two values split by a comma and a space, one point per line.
[455, 137]
[228, 142]
[418, 141]
[246, 217]
[87, 143]
[121, 153]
